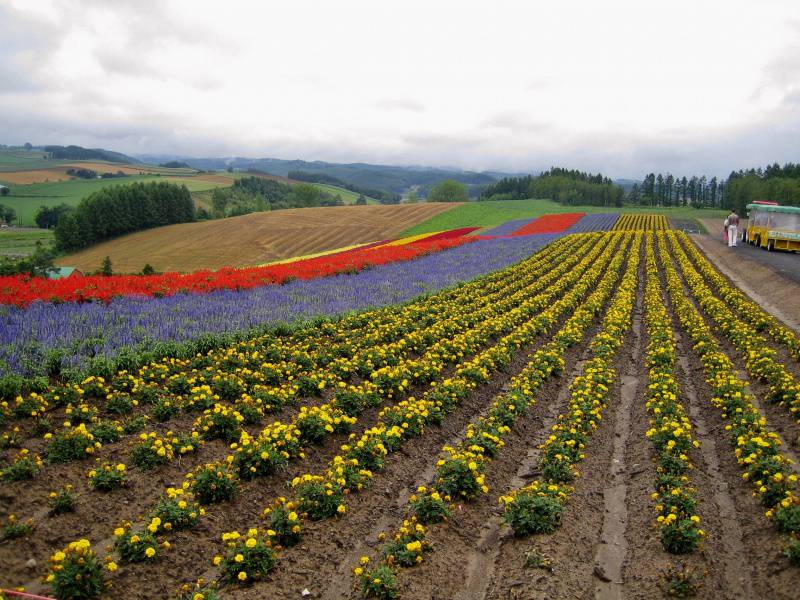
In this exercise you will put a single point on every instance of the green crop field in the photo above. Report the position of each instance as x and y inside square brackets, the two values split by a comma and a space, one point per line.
[22, 241]
[490, 213]
[11, 160]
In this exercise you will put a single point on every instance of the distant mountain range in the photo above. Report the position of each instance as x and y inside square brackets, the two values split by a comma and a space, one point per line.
[385, 177]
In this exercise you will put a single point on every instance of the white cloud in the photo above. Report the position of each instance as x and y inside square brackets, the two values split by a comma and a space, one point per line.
[621, 86]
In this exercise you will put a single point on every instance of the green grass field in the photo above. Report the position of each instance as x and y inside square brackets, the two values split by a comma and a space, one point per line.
[348, 197]
[495, 212]
[26, 199]
[22, 242]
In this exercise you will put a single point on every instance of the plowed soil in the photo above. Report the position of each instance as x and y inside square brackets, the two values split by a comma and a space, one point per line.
[253, 239]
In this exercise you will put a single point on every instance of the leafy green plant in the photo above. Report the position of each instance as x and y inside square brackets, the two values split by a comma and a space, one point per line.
[107, 477]
[62, 501]
[213, 483]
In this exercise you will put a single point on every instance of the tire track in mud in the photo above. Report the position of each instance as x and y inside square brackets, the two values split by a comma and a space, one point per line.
[613, 548]
[484, 555]
[573, 546]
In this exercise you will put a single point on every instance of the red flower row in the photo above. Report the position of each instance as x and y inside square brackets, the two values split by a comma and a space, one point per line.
[21, 290]
[550, 224]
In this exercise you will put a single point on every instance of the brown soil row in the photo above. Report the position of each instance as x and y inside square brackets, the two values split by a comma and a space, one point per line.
[254, 239]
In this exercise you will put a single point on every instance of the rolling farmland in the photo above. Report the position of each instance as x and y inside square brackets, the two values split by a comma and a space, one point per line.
[254, 239]
[611, 384]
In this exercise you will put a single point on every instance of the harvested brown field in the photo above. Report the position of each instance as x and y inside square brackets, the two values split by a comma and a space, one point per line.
[253, 239]
[35, 176]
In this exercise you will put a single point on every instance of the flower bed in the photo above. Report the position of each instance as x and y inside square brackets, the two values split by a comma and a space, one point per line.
[21, 290]
[75, 333]
[550, 224]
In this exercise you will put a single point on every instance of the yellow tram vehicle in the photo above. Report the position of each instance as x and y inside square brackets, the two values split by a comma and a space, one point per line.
[773, 227]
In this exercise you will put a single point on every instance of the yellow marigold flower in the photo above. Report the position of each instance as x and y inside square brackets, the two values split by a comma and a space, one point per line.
[341, 509]
[217, 560]
[150, 552]
[242, 576]
[112, 566]
[238, 558]
[358, 571]
[250, 543]
[364, 560]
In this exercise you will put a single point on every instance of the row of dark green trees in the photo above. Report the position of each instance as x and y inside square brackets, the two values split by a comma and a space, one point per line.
[113, 211]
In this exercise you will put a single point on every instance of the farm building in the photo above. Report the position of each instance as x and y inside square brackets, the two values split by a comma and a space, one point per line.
[64, 273]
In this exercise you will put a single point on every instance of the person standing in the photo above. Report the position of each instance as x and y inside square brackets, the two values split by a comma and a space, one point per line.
[733, 229]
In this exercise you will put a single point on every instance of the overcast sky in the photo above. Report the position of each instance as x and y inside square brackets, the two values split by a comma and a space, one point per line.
[619, 86]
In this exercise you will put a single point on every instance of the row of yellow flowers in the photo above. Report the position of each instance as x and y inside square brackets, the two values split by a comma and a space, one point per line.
[670, 430]
[757, 448]
[639, 222]
[460, 473]
[538, 507]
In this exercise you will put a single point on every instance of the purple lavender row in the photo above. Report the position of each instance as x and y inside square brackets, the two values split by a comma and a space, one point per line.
[594, 222]
[83, 331]
[508, 227]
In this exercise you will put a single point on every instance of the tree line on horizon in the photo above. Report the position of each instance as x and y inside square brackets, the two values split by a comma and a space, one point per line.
[775, 183]
[568, 186]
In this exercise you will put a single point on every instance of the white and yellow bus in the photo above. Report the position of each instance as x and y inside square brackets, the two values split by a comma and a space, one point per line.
[773, 227]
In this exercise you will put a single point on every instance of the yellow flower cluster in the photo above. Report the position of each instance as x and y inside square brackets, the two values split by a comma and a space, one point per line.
[461, 470]
[537, 507]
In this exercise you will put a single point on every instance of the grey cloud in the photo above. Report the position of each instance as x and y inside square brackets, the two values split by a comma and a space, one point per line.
[514, 121]
[25, 45]
[406, 104]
